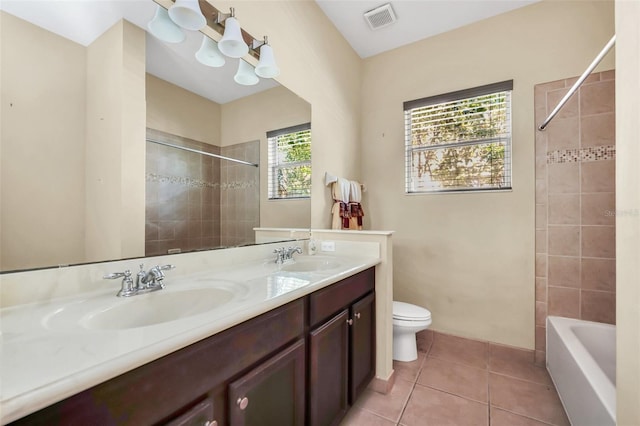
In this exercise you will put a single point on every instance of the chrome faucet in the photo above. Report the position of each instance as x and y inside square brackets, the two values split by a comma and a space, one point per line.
[286, 254]
[145, 281]
[289, 253]
[279, 255]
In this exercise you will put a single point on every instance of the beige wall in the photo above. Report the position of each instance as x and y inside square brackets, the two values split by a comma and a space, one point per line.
[628, 208]
[249, 119]
[42, 145]
[469, 257]
[318, 64]
[73, 142]
[115, 144]
[174, 110]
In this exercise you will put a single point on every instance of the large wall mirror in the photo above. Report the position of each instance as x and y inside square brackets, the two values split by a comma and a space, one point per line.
[86, 94]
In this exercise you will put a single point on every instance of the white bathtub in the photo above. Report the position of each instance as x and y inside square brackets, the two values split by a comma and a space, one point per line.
[581, 358]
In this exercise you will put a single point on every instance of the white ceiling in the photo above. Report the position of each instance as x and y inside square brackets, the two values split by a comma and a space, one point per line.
[82, 21]
[416, 19]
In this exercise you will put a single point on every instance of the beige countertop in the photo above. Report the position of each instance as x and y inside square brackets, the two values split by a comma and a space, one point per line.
[48, 353]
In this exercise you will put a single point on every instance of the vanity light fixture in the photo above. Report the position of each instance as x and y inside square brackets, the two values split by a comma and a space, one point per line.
[188, 15]
[246, 75]
[267, 67]
[232, 44]
[235, 42]
[163, 28]
[209, 54]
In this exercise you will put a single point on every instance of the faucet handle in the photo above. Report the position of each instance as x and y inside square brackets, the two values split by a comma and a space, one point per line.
[127, 283]
[157, 273]
[166, 267]
[114, 275]
[280, 254]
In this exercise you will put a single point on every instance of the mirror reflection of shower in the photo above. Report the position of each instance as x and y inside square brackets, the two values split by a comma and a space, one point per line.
[199, 196]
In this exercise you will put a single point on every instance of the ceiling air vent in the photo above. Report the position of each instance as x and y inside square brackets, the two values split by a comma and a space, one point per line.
[380, 17]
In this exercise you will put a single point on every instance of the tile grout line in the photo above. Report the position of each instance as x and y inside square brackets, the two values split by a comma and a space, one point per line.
[580, 203]
[525, 416]
[413, 387]
[406, 403]
[489, 390]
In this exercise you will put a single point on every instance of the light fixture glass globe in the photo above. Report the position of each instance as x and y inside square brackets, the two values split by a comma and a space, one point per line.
[246, 75]
[267, 67]
[188, 15]
[232, 44]
[163, 28]
[208, 54]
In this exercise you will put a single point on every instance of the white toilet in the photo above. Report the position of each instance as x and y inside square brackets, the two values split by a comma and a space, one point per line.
[408, 319]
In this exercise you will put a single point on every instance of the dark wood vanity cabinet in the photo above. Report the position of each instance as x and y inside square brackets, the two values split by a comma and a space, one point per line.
[172, 389]
[272, 393]
[302, 363]
[341, 347]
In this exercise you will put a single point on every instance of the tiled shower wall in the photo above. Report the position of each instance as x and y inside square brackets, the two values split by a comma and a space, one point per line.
[182, 196]
[239, 194]
[197, 202]
[575, 203]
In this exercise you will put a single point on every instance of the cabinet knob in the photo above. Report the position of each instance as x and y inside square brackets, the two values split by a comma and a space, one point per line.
[242, 402]
[357, 315]
[350, 321]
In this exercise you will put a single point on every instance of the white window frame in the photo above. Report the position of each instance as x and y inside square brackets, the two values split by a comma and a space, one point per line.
[413, 183]
[276, 163]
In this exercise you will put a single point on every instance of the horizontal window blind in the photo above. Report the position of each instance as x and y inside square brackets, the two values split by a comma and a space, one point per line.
[290, 162]
[459, 141]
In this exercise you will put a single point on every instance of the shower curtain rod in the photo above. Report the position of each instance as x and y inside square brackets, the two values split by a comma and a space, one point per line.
[577, 84]
[222, 157]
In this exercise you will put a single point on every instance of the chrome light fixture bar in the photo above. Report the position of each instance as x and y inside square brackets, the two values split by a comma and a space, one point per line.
[197, 15]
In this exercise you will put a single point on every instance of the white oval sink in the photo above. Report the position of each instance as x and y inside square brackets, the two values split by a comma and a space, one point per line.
[311, 264]
[156, 308]
[118, 313]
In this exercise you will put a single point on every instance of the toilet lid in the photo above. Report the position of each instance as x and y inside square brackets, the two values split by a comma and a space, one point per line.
[409, 312]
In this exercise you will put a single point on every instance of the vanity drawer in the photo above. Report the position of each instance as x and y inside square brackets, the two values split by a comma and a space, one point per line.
[326, 302]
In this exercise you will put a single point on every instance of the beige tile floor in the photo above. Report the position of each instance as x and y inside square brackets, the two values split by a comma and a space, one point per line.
[462, 382]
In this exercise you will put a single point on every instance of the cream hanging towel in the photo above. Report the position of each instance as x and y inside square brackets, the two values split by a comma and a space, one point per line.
[346, 211]
[340, 190]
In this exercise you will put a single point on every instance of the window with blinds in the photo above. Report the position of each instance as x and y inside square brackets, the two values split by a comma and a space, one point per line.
[459, 141]
[290, 162]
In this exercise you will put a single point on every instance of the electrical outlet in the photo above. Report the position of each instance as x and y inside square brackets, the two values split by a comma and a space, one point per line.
[328, 246]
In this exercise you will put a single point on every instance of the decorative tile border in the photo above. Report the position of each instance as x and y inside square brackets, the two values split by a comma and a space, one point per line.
[596, 153]
[197, 183]
[180, 180]
[238, 185]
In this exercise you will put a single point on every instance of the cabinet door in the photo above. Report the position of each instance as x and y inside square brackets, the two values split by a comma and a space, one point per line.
[328, 375]
[272, 393]
[200, 415]
[362, 349]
